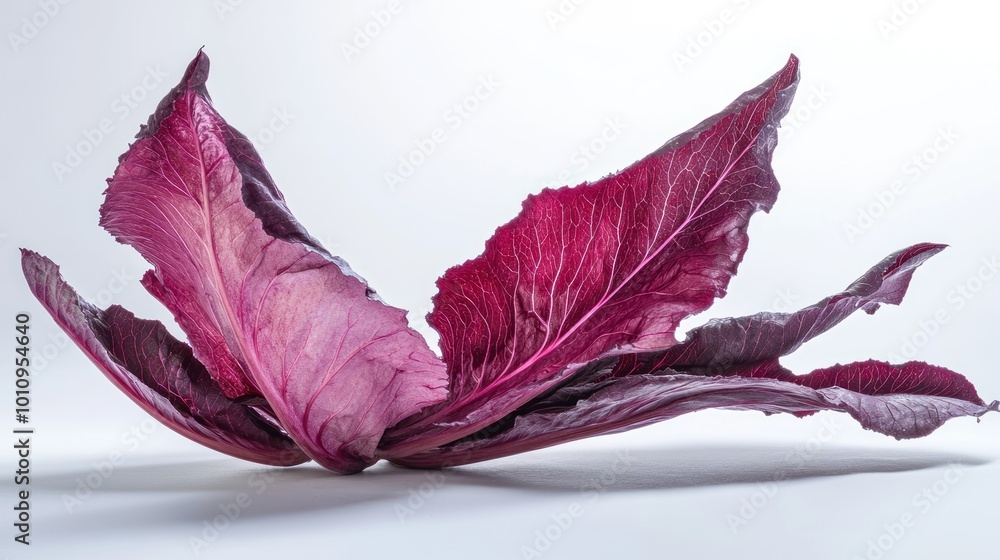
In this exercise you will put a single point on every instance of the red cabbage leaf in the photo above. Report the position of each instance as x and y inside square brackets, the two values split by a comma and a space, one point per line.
[632, 402]
[722, 344]
[732, 363]
[266, 309]
[602, 268]
[159, 373]
[565, 327]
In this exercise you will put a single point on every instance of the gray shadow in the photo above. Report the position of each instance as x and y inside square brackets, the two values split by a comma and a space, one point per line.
[193, 491]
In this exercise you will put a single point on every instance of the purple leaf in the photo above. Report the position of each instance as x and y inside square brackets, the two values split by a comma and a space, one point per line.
[626, 403]
[602, 268]
[565, 326]
[721, 345]
[735, 362]
[267, 310]
[158, 372]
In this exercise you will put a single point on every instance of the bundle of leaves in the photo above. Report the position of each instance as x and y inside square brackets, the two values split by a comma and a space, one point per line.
[563, 328]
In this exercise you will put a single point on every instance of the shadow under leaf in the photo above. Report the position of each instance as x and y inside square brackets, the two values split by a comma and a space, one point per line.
[193, 491]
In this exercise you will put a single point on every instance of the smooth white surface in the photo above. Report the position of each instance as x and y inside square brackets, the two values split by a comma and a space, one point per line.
[329, 128]
[656, 496]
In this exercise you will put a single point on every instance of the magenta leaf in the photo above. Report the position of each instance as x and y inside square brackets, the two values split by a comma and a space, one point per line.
[602, 268]
[625, 403]
[564, 328]
[735, 362]
[721, 345]
[267, 310]
[159, 373]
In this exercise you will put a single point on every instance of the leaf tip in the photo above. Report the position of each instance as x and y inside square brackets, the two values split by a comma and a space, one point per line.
[789, 74]
[31, 261]
[194, 79]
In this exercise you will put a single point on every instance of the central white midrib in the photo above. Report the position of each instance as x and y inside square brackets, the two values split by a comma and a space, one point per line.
[206, 211]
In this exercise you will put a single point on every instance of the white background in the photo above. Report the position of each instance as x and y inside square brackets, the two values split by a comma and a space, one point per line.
[881, 82]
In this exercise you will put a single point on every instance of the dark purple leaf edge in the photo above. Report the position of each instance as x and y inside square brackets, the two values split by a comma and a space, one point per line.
[158, 372]
[732, 363]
